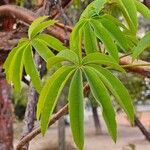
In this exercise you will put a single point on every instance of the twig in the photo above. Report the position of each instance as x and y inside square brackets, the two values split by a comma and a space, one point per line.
[37, 131]
[136, 65]
[55, 117]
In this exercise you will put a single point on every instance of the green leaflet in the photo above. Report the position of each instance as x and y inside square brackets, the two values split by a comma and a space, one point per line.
[39, 25]
[76, 38]
[129, 11]
[30, 68]
[118, 90]
[104, 36]
[42, 26]
[115, 21]
[34, 24]
[141, 46]
[64, 55]
[76, 109]
[102, 96]
[22, 43]
[7, 63]
[69, 55]
[90, 41]
[54, 60]
[116, 33]
[16, 68]
[93, 9]
[102, 59]
[44, 92]
[50, 94]
[51, 42]
[141, 8]
[42, 49]
[13, 65]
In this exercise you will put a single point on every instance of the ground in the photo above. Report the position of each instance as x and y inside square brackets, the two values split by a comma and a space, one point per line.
[129, 138]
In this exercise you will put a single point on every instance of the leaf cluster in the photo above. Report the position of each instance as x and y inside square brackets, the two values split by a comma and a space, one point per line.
[95, 43]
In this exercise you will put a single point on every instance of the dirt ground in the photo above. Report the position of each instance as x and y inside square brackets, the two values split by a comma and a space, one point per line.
[129, 138]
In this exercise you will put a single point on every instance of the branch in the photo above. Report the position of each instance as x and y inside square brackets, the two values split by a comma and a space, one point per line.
[37, 131]
[17, 12]
[143, 70]
[63, 111]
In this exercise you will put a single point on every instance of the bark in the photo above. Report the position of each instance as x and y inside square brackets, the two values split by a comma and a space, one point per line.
[28, 3]
[29, 114]
[6, 116]
[147, 3]
[63, 111]
[142, 128]
[97, 124]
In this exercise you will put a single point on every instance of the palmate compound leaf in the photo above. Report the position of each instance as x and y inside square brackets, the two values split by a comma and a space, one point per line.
[141, 8]
[141, 46]
[119, 91]
[102, 96]
[39, 25]
[76, 108]
[101, 59]
[19, 57]
[105, 37]
[50, 94]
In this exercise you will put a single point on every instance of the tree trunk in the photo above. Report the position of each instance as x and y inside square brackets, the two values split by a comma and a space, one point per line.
[142, 128]
[97, 124]
[6, 116]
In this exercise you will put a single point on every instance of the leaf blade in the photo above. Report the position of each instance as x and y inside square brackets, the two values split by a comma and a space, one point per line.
[102, 59]
[90, 41]
[104, 36]
[141, 46]
[52, 42]
[31, 69]
[51, 97]
[100, 93]
[76, 109]
[42, 49]
[118, 90]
